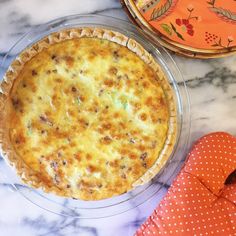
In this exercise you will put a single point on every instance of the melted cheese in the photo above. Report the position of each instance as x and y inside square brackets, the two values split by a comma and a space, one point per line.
[89, 117]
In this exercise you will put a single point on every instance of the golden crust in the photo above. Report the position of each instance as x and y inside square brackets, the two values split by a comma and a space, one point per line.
[27, 174]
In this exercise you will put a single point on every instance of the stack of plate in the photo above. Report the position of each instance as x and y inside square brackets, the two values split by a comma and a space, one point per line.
[202, 29]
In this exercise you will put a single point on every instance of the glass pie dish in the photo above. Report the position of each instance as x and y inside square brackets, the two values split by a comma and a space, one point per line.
[121, 203]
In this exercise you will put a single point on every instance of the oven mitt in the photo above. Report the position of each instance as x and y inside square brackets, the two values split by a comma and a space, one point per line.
[200, 200]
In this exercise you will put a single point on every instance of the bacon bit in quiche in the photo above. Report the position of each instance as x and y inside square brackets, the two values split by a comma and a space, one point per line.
[68, 186]
[109, 82]
[56, 179]
[123, 176]
[143, 156]
[116, 55]
[66, 140]
[64, 162]
[100, 92]
[34, 72]
[83, 122]
[119, 77]
[48, 72]
[45, 120]
[16, 103]
[55, 58]
[132, 140]
[99, 185]
[143, 116]
[54, 165]
[73, 89]
[59, 154]
[24, 85]
[144, 165]
[17, 141]
[126, 77]
[112, 70]
[106, 140]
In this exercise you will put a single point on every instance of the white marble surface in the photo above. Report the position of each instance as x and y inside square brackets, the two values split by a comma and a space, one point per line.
[212, 90]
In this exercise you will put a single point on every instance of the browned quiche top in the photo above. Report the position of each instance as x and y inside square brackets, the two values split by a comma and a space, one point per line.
[88, 117]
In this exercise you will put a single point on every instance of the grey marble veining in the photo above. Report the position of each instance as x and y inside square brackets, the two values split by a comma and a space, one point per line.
[212, 90]
[17, 16]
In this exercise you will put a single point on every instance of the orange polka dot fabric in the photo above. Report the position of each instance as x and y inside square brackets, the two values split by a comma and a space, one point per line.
[199, 202]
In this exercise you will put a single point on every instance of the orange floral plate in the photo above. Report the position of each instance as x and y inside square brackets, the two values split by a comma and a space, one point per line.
[202, 29]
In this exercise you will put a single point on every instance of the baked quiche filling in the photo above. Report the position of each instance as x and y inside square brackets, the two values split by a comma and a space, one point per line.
[88, 116]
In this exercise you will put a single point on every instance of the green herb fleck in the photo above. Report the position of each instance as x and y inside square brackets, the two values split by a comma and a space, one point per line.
[78, 100]
[125, 105]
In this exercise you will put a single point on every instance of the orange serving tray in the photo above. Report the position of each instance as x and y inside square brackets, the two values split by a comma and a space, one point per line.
[203, 29]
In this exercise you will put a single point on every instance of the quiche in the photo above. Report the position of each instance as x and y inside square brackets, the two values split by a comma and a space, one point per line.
[86, 113]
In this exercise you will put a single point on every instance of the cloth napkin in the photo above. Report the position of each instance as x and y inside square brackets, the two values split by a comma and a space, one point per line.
[202, 199]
